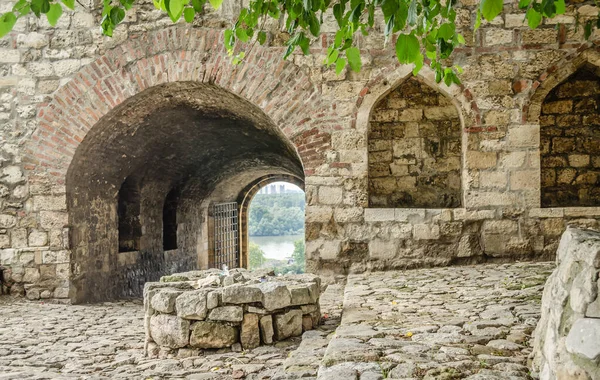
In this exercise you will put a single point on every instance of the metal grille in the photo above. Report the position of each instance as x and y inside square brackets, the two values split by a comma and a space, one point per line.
[226, 235]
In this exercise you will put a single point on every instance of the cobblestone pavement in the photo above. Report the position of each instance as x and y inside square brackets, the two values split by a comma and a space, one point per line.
[105, 341]
[445, 323]
[471, 322]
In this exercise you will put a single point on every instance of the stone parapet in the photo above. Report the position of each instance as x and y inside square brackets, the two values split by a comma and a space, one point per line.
[567, 338]
[202, 310]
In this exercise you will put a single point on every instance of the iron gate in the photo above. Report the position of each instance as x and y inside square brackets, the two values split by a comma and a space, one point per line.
[226, 237]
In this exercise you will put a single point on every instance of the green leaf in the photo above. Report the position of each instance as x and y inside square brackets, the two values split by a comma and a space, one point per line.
[117, 15]
[524, 4]
[216, 3]
[338, 13]
[69, 4]
[241, 34]
[304, 44]
[40, 6]
[418, 64]
[332, 56]
[534, 18]
[446, 31]
[54, 13]
[262, 37]
[491, 8]
[188, 14]
[198, 5]
[460, 39]
[560, 7]
[174, 9]
[315, 27]
[412, 13]
[477, 20]
[353, 55]
[339, 65]
[127, 4]
[229, 39]
[22, 7]
[407, 48]
[389, 8]
[7, 22]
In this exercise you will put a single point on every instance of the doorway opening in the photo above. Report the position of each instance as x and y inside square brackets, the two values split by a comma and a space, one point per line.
[276, 228]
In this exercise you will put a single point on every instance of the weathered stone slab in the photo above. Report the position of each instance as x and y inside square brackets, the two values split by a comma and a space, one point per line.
[250, 332]
[169, 330]
[266, 329]
[584, 338]
[227, 313]
[288, 324]
[238, 294]
[164, 300]
[212, 335]
[192, 305]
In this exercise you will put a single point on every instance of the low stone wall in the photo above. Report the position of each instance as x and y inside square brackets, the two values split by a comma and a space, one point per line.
[192, 311]
[567, 338]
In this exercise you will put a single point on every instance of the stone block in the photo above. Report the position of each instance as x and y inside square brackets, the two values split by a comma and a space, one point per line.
[379, 214]
[494, 36]
[348, 214]
[288, 324]
[164, 300]
[584, 338]
[37, 238]
[330, 195]
[441, 113]
[266, 329]
[53, 219]
[481, 160]
[239, 293]
[382, 249]
[579, 160]
[524, 180]
[300, 295]
[524, 136]
[426, 231]
[212, 335]
[318, 214]
[557, 107]
[502, 227]
[169, 330]
[274, 295]
[226, 313]
[250, 332]
[49, 202]
[191, 304]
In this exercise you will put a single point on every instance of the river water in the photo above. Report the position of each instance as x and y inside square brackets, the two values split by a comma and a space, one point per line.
[277, 247]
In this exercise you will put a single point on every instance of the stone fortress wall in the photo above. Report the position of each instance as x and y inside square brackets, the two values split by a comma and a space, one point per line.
[81, 113]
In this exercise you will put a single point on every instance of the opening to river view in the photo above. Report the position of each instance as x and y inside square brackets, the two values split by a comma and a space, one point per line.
[276, 228]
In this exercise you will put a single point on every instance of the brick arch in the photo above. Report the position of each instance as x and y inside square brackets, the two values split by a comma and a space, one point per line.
[553, 76]
[279, 88]
[391, 77]
[245, 199]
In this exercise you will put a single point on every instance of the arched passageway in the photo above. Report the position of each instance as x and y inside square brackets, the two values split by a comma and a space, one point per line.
[143, 184]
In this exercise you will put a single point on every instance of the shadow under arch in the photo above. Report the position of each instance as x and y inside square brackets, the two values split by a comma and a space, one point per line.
[186, 137]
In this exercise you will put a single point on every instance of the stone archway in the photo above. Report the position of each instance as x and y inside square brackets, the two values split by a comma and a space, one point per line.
[126, 92]
[245, 199]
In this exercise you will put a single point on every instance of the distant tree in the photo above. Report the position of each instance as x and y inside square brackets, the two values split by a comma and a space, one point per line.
[257, 256]
[276, 215]
[299, 256]
[298, 262]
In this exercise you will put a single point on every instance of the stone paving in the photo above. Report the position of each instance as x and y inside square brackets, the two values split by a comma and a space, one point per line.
[471, 322]
[445, 323]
